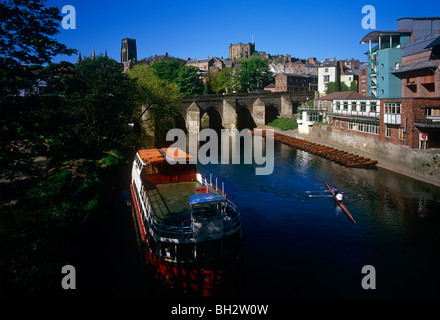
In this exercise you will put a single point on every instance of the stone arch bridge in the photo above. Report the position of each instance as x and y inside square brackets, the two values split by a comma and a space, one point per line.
[239, 111]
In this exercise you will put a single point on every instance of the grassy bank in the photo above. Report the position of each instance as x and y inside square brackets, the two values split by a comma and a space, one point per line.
[284, 124]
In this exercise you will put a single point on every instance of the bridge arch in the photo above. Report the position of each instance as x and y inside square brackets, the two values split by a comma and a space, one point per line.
[272, 112]
[245, 118]
[211, 118]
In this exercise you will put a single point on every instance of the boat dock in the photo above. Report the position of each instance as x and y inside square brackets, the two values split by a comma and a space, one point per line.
[338, 156]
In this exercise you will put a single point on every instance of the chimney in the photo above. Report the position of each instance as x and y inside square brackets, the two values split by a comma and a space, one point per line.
[334, 58]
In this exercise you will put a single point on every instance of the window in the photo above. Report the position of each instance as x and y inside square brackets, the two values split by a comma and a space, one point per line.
[392, 108]
[326, 70]
[342, 124]
[336, 123]
[432, 112]
[381, 66]
[381, 91]
[401, 134]
[345, 105]
[363, 106]
[353, 105]
[373, 106]
[338, 106]
[387, 132]
[363, 127]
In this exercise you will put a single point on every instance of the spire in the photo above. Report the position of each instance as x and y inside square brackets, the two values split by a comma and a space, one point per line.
[106, 53]
[93, 54]
[79, 57]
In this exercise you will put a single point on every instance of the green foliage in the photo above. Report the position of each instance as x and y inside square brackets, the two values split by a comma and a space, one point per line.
[185, 77]
[26, 37]
[42, 225]
[353, 86]
[336, 87]
[99, 101]
[223, 81]
[254, 74]
[159, 97]
[167, 70]
[284, 124]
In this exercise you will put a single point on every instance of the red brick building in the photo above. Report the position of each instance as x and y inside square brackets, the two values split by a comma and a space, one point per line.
[295, 82]
[409, 122]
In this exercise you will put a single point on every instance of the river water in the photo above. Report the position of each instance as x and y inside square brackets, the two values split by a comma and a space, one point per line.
[302, 247]
[297, 246]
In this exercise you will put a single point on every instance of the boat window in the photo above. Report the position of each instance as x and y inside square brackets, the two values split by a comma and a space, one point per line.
[168, 251]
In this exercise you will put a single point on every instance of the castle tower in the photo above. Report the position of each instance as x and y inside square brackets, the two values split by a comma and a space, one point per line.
[128, 50]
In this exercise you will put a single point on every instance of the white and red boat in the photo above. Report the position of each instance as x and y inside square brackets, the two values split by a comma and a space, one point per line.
[190, 228]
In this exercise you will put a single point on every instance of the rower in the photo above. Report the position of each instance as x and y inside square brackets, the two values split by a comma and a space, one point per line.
[339, 197]
[334, 190]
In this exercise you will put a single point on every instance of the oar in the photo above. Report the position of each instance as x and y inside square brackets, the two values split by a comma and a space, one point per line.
[320, 195]
[318, 191]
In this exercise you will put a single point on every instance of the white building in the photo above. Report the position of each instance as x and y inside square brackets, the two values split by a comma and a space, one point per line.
[328, 71]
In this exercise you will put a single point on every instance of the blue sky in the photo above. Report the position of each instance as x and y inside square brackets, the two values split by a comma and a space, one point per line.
[197, 29]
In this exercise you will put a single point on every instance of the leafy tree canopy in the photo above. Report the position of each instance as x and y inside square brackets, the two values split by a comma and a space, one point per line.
[254, 74]
[160, 98]
[100, 101]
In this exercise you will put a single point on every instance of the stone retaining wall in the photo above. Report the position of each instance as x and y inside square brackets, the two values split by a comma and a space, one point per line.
[419, 164]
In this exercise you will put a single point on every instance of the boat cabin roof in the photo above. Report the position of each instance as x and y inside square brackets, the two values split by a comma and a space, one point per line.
[160, 155]
[205, 198]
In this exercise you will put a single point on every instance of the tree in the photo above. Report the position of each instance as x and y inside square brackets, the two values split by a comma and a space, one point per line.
[188, 81]
[186, 77]
[27, 30]
[167, 70]
[254, 74]
[158, 97]
[100, 102]
[336, 87]
[353, 86]
[26, 37]
[223, 81]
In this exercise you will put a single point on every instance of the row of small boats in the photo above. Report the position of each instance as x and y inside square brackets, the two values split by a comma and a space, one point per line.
[338, 156]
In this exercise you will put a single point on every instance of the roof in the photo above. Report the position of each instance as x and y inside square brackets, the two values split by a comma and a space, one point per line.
[205, 198]
[345, 95]
[420, 18]
[429, 64]
[434, 43]
[151, 155]
[374, 35]
[176, 153]
[297, 75]
[160, 155]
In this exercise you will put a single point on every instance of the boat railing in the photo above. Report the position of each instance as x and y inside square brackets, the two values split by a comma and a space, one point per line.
[183, 229]
[232, 214]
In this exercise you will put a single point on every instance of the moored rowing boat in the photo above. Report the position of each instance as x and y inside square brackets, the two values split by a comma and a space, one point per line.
[341, 204]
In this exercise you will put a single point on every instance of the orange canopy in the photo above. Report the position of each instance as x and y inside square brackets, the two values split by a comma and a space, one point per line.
[176, 153]
[151, 155]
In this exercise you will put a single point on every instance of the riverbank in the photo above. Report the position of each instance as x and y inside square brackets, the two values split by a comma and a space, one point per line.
[391, 161]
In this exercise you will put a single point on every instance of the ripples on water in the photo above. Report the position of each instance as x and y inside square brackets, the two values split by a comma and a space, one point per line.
[298, 246]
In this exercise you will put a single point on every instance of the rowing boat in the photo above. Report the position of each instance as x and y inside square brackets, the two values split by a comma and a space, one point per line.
[341, 204]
